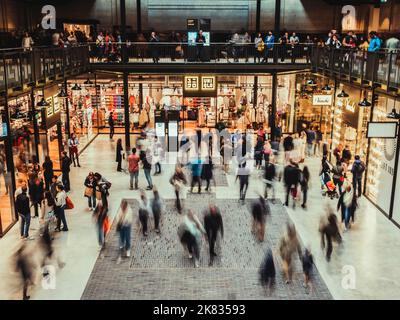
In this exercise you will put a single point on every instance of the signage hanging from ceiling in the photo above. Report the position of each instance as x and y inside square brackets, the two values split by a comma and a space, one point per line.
[200, 86]
[322, 99]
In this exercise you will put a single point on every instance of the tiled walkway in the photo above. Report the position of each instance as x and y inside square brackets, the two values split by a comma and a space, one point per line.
[370, 247]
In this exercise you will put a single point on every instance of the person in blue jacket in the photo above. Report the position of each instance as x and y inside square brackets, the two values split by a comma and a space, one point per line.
[375, 42]
[269, 43]
[196, 167]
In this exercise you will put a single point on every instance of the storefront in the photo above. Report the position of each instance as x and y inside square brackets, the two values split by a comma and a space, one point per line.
[314, 103]
[382, 161]
[350, 121]
[7, 183]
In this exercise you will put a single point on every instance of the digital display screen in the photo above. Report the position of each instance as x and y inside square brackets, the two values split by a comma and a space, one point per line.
[192, 35]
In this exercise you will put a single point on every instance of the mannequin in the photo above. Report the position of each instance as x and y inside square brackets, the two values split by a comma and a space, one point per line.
[202, 116]
[89, 114]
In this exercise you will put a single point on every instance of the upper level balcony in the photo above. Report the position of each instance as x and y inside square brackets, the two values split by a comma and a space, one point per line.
[20, 69]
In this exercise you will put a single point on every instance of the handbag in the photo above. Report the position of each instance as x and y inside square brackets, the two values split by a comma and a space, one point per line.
[88, 192]
[68, 204]
[106, 225]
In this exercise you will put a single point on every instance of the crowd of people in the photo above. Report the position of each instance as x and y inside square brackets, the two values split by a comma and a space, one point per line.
[106, 46]
[48, 192]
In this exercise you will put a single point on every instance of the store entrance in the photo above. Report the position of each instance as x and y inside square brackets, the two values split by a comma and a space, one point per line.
[7, 217]
[50, 144]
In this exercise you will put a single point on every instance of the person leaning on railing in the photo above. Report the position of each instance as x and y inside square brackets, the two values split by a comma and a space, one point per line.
[259, 45]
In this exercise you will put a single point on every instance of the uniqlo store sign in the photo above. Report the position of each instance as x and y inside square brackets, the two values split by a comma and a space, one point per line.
[200, 86]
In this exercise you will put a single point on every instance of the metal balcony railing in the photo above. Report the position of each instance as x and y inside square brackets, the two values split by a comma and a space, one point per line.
[178, 52]
[381, 68]
[19, 68]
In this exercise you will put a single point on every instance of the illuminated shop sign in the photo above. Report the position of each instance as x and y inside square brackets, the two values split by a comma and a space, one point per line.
[322, 100]
[200, 86]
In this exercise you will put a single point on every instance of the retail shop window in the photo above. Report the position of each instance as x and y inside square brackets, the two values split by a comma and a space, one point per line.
[7, 217]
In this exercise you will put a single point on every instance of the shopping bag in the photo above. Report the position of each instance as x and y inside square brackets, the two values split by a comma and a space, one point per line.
[88, 192]
[68, 204]
[106, 225]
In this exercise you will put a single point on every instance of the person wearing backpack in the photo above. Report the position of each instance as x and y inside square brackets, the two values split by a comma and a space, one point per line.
[357, 170]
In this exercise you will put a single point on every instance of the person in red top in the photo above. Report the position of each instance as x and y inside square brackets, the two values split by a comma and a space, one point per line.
[133, 168]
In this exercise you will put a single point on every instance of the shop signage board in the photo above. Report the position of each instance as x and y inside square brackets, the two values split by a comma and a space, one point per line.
[382, 130]
[322, 99]
[200, 86]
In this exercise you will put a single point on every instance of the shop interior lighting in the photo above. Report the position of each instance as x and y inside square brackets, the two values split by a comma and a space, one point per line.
[42, 103]
[364, 103]
[343, 94]
[76, 87]
[326, 88]
[311, 82]
[394, 114]
[62, 94]
[88, 81]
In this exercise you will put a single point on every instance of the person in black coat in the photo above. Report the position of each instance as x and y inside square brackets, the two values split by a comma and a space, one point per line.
[24, 211]
[308, 263]
[91, 184]
[267, 272]
[305, 180]
[36, 194]
[288, 143]
[119, 151]
[207, 172]
[48, 172]
[269, 178]
[258, 152]
[111, 124]
[291, 177]
[330, 231]
[213, 224]
[259, 210]
[65, 169]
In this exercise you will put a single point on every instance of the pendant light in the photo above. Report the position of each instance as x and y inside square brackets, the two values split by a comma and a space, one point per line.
[76, 87]
[326, 88]
[311, 82]
[42, 103]
[88, 81]
[364, 103]
[343, 94]
[394, 115]
[62, 93]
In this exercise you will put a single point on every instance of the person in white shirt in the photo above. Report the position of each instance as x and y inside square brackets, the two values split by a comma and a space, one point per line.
[27, 42]
[61, 201]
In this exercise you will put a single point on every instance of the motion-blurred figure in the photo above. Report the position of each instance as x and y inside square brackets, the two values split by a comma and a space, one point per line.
[144, 212]
[156, 208]
[259, 209]
[178, 180]
[308, 263]
[25, 267]
[243, 173]
[329, 229]
[347, 204]
[207, 173]
[190, 232]
[269, 178]
[267, 272]
[213, 224]
[124, 226]
[46, 244]
[100, 216]
[288, 245]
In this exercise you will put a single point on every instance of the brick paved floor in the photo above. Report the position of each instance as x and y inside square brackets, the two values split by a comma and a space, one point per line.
[159, 269]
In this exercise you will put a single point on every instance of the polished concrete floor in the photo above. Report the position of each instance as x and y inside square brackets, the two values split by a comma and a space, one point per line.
[366, 266]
